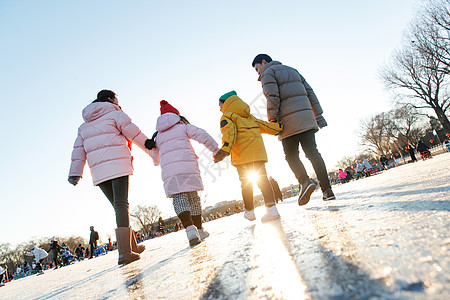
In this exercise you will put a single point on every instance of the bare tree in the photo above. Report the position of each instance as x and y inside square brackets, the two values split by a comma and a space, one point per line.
[145, 215]
[431, 33]
[407, 126]
[375, 133]
[419, 71]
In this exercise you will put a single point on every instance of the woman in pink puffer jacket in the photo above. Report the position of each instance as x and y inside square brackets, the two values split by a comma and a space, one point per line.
[180, 171]
[104, 140]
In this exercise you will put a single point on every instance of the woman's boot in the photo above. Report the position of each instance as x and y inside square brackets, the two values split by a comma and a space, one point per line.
[124, 246]
[134, 245]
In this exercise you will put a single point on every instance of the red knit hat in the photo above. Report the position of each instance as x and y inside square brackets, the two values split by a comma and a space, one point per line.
[166, 108]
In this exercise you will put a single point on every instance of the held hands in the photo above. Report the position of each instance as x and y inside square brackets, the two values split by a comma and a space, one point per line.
[220, 156]
[74, 180]
[321, 121]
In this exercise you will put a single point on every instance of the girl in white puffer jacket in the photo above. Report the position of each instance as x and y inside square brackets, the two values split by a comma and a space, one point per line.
[104, 140]
[180, 172]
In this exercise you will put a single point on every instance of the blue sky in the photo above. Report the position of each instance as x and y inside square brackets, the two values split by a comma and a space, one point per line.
[56, 55]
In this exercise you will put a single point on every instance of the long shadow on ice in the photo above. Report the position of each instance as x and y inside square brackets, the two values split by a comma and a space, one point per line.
[58, 292]
[415, 205]
[326, 274]
[134, 277]
[231, 281]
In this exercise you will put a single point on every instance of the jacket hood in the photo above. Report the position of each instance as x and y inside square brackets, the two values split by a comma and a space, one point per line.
[272, 63]
[98, 109]
[166, 121]
[235, 105]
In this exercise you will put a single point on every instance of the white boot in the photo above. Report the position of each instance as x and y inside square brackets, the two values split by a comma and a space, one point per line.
[271, 214]
[203, 233]
[250, 215]
[193, 236]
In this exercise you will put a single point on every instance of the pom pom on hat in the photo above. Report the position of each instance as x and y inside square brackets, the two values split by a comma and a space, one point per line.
[167, 108]
[226, 96]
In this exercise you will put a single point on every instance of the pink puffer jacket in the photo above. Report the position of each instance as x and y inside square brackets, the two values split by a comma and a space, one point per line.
[102, 141]
[179, 166]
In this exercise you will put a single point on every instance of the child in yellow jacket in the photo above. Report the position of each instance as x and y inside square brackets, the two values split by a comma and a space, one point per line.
[241, 137]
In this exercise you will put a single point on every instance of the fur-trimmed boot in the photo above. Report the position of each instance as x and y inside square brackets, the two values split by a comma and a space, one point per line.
[134, 245]
[124, 246]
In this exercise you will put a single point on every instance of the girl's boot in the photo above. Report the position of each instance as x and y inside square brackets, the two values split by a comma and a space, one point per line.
[193, 236]
[134, 245]
[124, 246]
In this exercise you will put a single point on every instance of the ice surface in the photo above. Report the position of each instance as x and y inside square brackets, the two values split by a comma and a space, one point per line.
[386, 237]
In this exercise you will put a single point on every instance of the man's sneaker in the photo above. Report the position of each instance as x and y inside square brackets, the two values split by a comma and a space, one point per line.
[271, 214]
[328, 195]
[193, 236]
[203, 233]
[308, 187]
[250, 215]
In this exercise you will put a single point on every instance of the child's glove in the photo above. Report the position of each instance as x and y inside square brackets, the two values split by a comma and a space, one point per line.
[74, 179]
[321, 121]
[220, 156]
[150, 144]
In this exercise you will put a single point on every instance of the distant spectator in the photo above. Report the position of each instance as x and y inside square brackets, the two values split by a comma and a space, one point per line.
[55, 248]
[342, 176]
[79, 251]
[411, 152]
[39, 256]
[384, 161]
[276, 189]
[2, 275]
[93, 240]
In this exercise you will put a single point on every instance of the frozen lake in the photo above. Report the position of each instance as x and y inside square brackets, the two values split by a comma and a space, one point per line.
[385, 237]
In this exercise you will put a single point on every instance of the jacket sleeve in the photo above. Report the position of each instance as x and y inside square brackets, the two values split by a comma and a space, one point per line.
[317, 109]
[155, 156]
[272, 128]
[229, 134]
[272, 94]
[131, 131]
[201, 136]
[78, 157]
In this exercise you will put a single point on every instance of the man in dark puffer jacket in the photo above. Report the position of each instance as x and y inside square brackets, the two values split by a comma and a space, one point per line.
[292, 102]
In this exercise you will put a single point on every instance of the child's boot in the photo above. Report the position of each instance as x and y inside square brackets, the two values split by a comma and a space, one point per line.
[193, 236]
[271, 214]
[250, 215]
[134, 245]
[124, 246]
[203, 233]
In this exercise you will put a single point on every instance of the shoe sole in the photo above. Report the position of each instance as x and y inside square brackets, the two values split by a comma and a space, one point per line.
[304, 199]
[194, 242]
[263, 221]
[330, 198]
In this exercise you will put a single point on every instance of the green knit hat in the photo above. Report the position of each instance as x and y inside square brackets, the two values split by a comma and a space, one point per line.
[226, 96]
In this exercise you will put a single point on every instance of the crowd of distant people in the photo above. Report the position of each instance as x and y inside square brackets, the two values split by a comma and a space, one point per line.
[365, 168]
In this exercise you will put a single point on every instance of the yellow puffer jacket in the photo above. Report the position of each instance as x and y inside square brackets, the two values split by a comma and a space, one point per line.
[242, 132]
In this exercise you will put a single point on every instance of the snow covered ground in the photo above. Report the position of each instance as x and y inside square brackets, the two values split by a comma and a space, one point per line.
[386, 237]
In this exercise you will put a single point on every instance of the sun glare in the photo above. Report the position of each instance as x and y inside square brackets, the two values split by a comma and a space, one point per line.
[253, 177]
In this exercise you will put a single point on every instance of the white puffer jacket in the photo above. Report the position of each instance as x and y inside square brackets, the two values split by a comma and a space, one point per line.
[180, 171]
[102, 141]
[38, 254]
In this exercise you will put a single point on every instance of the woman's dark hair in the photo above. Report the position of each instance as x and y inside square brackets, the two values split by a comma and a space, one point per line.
[259, 58]
[104, 96]
[184, 120]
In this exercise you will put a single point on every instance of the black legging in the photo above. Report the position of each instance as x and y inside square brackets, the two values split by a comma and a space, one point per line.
[116, 190]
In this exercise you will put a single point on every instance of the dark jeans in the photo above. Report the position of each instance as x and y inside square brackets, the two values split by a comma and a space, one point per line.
[93, 245]
[55, 259]
[116, 190]
[39, 264]
[308, 141]
[262, 182]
